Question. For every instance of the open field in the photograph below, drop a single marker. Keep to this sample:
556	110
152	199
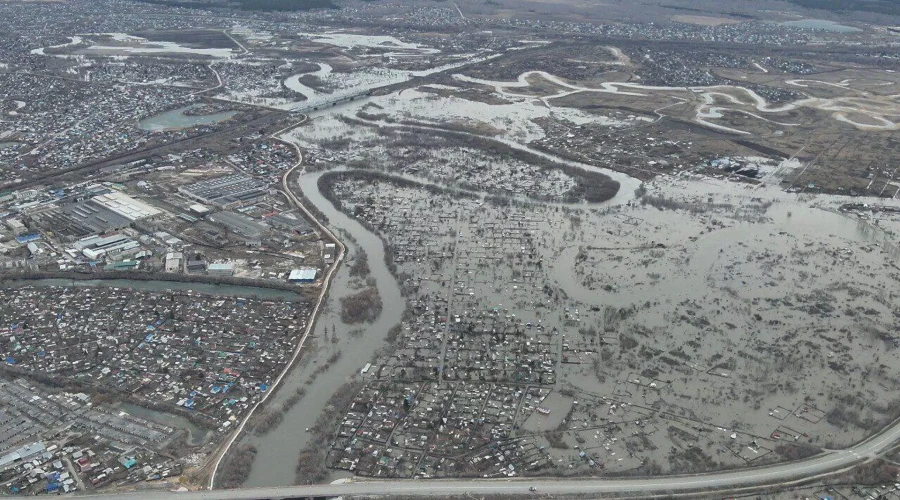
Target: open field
704	20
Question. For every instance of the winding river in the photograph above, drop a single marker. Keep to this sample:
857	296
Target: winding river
279	449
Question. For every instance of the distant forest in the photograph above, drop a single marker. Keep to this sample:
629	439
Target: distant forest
263	5
890	7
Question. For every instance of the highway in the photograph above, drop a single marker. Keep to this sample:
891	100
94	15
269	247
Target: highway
818	465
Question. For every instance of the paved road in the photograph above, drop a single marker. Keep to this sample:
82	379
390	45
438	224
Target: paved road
325	233
807	468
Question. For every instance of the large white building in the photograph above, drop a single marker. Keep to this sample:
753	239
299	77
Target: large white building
173	262
125	205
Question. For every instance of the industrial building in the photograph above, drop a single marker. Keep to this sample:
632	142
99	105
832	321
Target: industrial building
223	269
289	222
226	192
16	226
173	262
248	229
106	212
95	247
125	265
196	266
84	218
23	454
126	206
33	249
303	275
199	209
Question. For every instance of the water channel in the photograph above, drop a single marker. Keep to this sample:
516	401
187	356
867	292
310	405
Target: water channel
197	435
293	82
176	119
279	449
820	24
162	286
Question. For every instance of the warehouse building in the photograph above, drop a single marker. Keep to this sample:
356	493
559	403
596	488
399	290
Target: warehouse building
289	222
303	275
106	212
249	230
173	262
95	247
125	205
84	218
226	192
224	269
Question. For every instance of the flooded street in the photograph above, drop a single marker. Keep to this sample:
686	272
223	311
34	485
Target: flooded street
279	449
670	277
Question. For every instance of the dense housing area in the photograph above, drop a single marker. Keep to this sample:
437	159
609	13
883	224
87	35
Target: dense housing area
265	243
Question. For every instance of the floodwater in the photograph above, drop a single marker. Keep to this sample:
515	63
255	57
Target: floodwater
357	83
820	24
353	40
707	109
74	40
627	183
293	82
789	217
197	436
160	286
141	45
276	461
176	119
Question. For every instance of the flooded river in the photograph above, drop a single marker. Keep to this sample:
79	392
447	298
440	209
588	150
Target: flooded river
293	82
787	220
177	119
276	460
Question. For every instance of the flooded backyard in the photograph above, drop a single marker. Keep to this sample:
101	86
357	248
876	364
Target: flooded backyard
670	294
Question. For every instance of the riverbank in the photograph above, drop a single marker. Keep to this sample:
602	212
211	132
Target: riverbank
279	449
216	462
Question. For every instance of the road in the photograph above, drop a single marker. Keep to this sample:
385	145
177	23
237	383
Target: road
217	459
812	467
128	156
